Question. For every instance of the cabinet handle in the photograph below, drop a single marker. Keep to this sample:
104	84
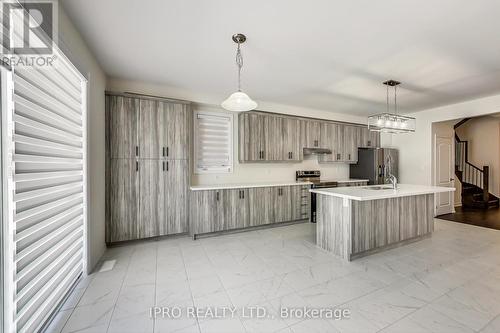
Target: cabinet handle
167	165
136	166
163	152
163	165
369	143
217	196
349	157
136	150
239	194
243	194
167	151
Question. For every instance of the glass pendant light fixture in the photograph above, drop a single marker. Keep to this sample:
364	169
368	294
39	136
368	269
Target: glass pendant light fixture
391	122
239	101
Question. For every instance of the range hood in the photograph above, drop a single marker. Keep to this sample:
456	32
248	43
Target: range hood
317	151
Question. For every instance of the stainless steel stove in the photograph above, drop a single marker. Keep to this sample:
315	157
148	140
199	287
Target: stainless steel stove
313	176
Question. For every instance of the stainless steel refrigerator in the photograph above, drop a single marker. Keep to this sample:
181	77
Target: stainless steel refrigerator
372	165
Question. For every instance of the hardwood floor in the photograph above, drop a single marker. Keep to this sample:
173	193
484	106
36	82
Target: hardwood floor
484	218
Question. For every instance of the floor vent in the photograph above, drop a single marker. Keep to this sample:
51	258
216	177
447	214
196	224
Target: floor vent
108	265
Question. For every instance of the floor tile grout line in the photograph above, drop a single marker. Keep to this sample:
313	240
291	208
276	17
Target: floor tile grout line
120	290
189	285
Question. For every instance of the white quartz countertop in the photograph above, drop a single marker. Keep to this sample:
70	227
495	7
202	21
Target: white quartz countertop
245	185
363	193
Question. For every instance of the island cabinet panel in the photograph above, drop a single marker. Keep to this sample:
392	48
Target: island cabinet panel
123	197
418	212
123	117
235	205
333	229
260	206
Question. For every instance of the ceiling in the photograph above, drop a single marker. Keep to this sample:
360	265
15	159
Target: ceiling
324	54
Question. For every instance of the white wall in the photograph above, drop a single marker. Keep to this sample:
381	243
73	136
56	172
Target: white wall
483	135
247	172
73	45
415	153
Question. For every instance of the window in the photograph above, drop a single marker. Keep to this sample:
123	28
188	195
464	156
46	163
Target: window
213	142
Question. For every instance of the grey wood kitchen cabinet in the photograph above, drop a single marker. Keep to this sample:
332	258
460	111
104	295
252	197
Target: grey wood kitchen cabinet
176	183
122	124
151	197
350	154
230	209
124	199
236	214
148	145
313	134
207	213
273	139
178	120
283	206
150	129
251	137
260	206
291	140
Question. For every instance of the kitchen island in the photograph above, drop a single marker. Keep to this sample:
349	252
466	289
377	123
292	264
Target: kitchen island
353	222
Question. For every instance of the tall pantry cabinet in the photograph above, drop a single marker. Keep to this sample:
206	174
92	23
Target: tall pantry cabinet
147	167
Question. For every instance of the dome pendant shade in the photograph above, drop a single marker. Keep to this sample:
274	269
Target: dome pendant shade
238	102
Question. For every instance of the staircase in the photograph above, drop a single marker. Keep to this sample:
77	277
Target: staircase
475	191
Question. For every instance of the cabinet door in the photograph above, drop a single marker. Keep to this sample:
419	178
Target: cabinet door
328	139
260	206
151	199
273	138
123	117
177	130
151	128
123	200
374	139
282	204
350	144
251	137
339	148
206	212
291	139
176	180
235	209
313	134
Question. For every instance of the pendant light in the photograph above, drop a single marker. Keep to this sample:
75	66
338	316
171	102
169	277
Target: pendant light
391	122
239	101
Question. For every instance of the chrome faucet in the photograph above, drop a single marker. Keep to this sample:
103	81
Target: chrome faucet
388	174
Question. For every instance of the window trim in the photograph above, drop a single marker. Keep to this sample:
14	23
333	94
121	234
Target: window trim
230	169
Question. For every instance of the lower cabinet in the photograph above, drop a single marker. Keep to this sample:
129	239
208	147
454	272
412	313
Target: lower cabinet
219	210
147	198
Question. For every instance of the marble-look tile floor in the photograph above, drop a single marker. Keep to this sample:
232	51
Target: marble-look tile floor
447	283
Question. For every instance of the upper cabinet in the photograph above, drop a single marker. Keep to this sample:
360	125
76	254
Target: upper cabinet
123	115
147	128
279	138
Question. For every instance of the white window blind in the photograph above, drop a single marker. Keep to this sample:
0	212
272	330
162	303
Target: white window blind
213	142
45	166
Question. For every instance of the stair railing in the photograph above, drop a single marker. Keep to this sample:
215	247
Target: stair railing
471	174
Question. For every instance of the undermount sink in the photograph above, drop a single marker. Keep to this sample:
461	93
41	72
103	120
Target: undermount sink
378	188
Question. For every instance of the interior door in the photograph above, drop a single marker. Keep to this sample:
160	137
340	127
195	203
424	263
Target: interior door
444	174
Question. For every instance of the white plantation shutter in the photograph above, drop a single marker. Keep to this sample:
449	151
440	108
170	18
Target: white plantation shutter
45	160
213	142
